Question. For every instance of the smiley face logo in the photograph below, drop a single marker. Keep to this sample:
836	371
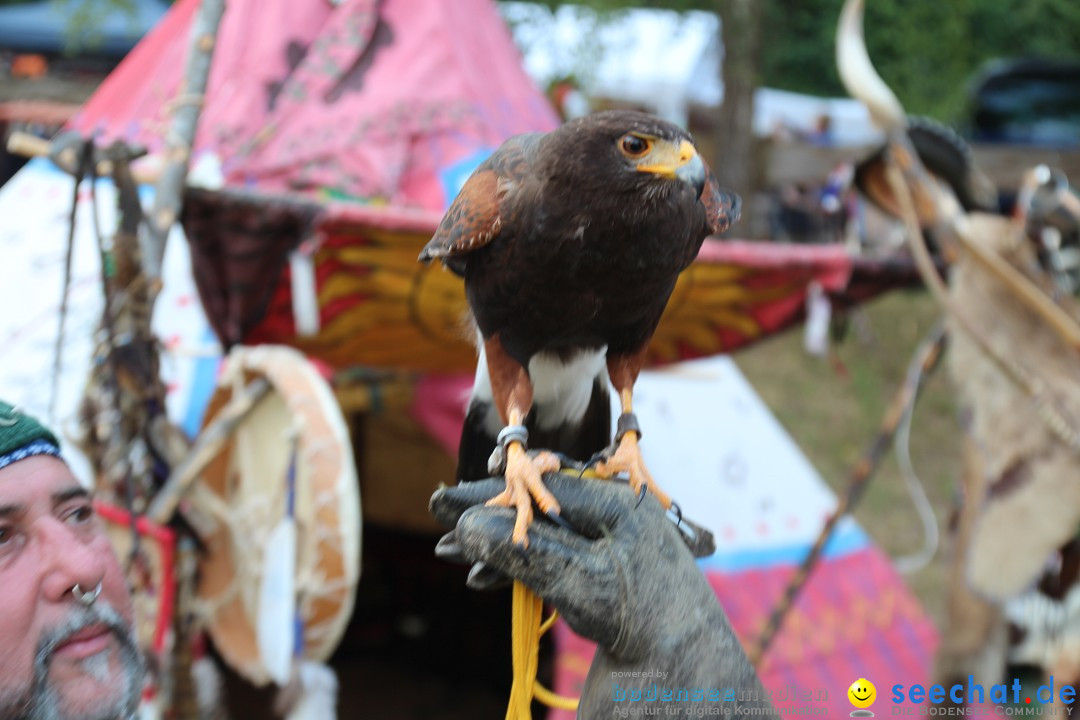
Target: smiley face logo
862	693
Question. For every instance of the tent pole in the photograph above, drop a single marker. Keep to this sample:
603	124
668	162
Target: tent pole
180	138
154	231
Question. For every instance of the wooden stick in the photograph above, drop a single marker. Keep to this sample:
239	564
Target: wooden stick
210	442
27	145
1028	293
181	137
31	146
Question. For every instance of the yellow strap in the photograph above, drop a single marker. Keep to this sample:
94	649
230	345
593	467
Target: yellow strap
552	700
527	615
546	625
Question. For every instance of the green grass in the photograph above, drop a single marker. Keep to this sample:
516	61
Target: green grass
834	415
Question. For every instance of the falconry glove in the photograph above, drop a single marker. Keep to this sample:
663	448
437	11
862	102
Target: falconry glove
623	576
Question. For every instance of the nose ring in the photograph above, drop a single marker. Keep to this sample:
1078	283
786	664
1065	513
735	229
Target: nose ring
86	598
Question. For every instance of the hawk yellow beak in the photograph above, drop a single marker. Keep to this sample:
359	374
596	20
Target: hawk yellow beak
666	158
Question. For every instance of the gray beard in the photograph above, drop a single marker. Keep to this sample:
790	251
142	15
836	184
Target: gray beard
42	701
97	666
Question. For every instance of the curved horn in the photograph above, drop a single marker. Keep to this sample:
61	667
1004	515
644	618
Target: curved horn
858	74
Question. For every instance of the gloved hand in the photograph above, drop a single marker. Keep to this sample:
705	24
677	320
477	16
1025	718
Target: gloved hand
624	576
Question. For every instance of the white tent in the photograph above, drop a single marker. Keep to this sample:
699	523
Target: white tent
661	59
35	205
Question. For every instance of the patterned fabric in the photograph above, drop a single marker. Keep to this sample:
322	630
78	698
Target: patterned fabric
37	447
855	619
22	436
365	101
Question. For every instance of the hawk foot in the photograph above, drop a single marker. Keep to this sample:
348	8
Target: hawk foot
627	458
524	484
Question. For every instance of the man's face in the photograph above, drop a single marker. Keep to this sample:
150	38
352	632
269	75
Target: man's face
59	658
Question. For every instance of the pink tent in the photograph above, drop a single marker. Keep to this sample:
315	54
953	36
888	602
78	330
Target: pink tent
391	103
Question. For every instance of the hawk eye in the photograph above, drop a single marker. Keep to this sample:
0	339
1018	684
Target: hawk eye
634	146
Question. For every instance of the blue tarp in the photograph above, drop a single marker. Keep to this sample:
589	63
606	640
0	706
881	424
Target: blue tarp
42	26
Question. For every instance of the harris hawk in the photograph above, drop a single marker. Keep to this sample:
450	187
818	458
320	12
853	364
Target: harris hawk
570	243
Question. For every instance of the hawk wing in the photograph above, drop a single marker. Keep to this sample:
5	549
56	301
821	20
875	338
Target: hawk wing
475	218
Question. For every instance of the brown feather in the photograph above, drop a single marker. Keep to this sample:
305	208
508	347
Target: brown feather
475	218
472	220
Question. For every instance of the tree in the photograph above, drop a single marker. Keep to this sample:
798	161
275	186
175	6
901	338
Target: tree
741	32
926	51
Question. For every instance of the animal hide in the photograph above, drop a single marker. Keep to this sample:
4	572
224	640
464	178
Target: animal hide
1031	478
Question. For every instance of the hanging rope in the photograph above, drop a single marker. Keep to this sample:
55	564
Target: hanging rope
85	161
902	447
527	627
113	300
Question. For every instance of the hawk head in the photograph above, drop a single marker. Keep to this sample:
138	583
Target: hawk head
622	151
